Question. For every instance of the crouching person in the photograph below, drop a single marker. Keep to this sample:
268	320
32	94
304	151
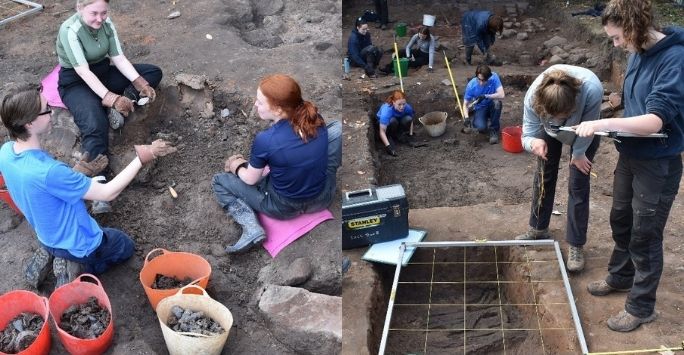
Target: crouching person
395	118
51	194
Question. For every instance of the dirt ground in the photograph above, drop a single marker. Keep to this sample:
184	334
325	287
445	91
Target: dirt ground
231	44
460	187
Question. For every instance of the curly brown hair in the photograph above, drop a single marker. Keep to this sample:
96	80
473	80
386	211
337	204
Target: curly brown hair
635	17
556	94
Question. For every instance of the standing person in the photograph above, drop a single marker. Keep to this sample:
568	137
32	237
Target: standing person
360	49
97	93
50	194
482	99
648	170
395	118
301	152
480	28
424	44
383	13
563	95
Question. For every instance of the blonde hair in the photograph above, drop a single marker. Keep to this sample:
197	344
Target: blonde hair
556	94
81	3
635	17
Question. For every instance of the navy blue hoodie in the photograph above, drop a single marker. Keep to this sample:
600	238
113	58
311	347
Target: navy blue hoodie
474	28
654	83
356	43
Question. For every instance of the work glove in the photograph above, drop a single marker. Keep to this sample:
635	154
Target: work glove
480	98
233	162
148	152
390	150
118	102
144	88
93	167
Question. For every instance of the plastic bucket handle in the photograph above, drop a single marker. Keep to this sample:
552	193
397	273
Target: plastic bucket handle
147	258
181	291
93	277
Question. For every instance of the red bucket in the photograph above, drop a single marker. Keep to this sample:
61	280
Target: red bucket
5	196
78	292
511	139
14	303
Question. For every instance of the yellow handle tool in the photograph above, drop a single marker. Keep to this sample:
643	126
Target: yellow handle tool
453	84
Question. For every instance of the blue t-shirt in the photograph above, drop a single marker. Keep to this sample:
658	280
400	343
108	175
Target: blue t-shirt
387	112
50	195
474	89
298	169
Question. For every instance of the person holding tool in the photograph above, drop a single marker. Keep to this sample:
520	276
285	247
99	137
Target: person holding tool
480	28
424	44
649	170
51	194
97	93
482	99
292	166
563	95
395	118
360	49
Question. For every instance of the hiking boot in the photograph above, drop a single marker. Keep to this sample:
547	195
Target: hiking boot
493	137
116	119
575	259
602	288
65	271
100	207
37	267
533	234
625	322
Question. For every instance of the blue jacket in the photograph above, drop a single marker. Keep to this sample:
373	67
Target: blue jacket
474	28
654	83
356	43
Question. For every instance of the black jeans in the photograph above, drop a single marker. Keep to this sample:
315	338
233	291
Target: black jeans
643	193
578	193
382	11
371	54
86	107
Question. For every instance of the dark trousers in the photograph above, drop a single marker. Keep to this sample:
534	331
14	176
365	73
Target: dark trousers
371	54
421	58
86	107
115	248
578	192
643	193
382	11
488	118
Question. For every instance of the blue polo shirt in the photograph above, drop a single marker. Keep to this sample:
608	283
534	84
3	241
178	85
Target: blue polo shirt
474	89
387	112
298	168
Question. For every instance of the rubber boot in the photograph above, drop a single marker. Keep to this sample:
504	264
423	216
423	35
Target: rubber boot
252	232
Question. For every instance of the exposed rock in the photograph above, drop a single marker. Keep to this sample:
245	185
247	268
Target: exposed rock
555	60
8	218
268	8
522	36
557	51
526	60
298	272
309	323
555	41
196	82
508	33
576	58
508	24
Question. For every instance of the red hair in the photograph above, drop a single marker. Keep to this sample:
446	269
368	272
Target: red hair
396	95
283	92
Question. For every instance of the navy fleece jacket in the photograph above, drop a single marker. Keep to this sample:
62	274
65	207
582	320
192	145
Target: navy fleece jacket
474	29
356	43
654	83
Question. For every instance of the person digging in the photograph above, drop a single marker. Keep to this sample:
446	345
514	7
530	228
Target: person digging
51	195
395	118
482	101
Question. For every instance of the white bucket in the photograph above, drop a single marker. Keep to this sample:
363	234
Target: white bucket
182	344
434	123
428	20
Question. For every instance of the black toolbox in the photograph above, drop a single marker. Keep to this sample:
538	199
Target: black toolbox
374	215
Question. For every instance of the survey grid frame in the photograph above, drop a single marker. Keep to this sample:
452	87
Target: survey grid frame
12	7
502	243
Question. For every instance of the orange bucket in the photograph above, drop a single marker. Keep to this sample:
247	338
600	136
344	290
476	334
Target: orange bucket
511	139
172	264
78	292
5	196
14	303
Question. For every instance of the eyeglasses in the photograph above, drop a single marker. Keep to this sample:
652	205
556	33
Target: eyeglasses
48	111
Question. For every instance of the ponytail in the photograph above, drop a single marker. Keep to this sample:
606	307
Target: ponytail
305	120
